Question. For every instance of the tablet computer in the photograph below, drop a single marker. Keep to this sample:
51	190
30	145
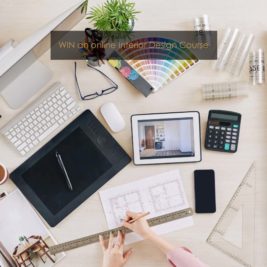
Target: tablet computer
166	137
91	157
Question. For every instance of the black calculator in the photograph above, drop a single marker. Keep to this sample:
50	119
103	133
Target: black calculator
223	129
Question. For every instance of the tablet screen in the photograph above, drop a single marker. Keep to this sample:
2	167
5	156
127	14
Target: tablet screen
166	138
81	159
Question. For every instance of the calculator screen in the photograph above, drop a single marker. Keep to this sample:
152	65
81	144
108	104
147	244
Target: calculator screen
220	116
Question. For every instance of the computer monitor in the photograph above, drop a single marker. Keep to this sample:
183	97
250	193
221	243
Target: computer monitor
21	73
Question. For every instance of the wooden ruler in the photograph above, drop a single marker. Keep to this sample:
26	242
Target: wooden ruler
95	237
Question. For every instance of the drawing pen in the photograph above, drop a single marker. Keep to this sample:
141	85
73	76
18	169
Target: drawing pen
139	217
62	166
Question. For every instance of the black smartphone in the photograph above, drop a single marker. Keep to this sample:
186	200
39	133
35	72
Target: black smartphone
205	199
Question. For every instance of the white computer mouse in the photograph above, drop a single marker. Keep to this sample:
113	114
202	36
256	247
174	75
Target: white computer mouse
113	117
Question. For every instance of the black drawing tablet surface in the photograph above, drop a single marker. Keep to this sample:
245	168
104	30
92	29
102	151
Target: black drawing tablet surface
91	157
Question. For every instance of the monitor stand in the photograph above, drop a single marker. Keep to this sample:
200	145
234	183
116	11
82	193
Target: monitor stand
23	81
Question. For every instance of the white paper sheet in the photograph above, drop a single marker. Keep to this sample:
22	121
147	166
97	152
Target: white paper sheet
18	218
160	194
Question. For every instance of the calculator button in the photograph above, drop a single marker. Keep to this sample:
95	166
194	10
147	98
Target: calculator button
234	137
228	132
211	127
233	147
233	142
235	130
217	127
221	143
235	126
229	129
235	134
228	136
215	146
226	146
220	147
216	137
222	137
216	132
223	128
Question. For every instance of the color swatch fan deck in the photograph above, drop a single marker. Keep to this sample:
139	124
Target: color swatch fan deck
158	65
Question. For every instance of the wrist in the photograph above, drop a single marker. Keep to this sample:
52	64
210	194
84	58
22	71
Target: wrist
149	235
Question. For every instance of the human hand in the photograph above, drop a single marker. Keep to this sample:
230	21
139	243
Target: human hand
113	254
140	226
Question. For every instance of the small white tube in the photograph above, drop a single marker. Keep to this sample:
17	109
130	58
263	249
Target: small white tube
226	48
257	67
242	55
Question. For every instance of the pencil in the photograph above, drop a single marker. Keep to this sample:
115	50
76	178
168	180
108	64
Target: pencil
139	217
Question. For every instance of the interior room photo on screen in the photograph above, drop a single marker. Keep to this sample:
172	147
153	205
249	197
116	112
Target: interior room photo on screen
166	138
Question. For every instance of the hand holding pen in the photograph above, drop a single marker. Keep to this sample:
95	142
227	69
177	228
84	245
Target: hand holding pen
137	223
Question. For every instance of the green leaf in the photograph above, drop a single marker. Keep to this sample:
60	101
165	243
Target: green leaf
113	15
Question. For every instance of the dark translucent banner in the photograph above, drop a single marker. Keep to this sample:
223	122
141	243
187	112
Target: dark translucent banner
137	45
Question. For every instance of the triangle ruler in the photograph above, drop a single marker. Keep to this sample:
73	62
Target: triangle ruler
234	232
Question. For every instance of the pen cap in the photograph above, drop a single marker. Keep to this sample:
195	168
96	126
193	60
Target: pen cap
201	23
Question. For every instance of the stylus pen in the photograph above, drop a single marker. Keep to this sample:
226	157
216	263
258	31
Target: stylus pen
62	166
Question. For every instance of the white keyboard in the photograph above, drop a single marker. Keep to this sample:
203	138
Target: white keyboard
39	121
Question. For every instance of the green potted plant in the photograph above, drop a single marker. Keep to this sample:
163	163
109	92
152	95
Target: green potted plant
113	15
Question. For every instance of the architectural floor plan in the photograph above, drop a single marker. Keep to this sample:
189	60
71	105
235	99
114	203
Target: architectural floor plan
160	194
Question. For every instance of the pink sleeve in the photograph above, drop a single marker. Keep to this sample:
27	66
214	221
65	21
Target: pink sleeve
182	257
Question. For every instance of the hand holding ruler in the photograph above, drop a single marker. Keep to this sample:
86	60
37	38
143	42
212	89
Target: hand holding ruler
95	237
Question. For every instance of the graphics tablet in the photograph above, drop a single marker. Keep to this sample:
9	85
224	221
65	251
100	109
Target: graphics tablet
166	137
91	157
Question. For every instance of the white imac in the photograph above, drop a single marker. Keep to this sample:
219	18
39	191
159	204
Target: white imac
21	73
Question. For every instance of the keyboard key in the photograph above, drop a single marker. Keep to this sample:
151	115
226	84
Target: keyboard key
233	147
48	132
14	139
22	146
226	147
18	143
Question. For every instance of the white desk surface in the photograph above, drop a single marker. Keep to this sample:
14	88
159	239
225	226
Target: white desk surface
19	19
